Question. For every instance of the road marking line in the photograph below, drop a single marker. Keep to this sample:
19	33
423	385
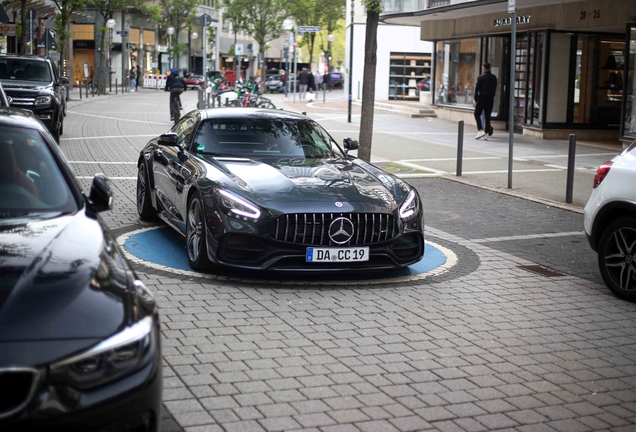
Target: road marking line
565	155
506	171
108	136
121	119
112	178
528	237
105	163
449	159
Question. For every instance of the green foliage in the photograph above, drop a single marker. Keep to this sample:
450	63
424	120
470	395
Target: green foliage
62	20
260	19
179	14
372	5
325	13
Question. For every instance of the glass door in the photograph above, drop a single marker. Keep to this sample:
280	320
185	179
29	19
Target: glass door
521	81
629	119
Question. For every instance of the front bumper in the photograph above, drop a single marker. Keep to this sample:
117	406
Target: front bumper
131	403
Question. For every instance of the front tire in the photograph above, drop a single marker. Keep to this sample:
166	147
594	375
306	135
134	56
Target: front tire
617	257
196	243
144	202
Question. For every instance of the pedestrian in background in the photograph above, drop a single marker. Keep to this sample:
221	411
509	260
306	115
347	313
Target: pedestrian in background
484	99
326	80
138	77
132	75
311	86
303	82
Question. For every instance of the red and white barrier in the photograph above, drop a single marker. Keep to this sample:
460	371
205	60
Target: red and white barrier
154	81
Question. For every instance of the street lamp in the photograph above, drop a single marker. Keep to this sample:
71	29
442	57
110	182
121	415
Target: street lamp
170	32
111	23
194	36
287	26
330	38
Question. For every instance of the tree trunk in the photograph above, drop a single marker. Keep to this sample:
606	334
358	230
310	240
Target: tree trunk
368	85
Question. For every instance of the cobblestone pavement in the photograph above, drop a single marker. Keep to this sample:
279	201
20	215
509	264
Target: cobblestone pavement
487	346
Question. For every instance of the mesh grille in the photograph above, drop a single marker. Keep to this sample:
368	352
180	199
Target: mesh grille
313	228
16	388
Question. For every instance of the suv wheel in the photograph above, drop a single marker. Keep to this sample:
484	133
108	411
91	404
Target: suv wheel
617	257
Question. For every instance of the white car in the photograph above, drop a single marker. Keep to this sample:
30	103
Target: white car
610	222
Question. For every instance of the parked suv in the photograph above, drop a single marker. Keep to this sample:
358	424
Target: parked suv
33	83
610	222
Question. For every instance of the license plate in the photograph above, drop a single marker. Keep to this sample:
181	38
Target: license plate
337	254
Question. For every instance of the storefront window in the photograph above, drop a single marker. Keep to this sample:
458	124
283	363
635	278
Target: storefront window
456	71
629	125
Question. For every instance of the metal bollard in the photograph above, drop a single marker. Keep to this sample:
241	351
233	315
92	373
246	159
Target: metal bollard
80	89
116	84
570	179
324	93
460	147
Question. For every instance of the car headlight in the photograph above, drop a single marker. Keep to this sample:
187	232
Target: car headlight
238	207
112	358
43	100
409	207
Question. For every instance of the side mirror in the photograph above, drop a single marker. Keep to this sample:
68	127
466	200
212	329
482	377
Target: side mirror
351	144
101	196
168	139
63	81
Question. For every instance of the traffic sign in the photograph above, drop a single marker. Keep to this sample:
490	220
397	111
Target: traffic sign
238	49
512	5
123	33
308	29
206	20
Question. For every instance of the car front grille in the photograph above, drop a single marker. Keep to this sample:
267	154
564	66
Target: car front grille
313	228
17	386
23	101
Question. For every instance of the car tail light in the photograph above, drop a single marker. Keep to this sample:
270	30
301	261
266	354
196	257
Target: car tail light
601	173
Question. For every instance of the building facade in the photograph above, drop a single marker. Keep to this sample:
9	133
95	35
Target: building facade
574	62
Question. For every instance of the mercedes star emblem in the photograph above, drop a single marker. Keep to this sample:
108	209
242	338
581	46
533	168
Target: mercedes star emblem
341	230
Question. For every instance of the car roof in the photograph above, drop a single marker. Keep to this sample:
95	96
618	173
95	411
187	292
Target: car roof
25	56
19	118
213	113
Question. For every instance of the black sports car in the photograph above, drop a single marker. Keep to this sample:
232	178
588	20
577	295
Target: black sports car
265	189
79	333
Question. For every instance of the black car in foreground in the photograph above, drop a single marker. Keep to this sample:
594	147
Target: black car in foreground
264	189
33	84
79	333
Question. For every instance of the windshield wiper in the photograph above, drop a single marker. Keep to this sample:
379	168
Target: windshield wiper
217	154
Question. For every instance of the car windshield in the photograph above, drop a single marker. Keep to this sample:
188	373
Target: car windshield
30	180
24	69
262	137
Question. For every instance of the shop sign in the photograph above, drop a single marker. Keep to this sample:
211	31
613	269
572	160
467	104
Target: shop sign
501	22
7	29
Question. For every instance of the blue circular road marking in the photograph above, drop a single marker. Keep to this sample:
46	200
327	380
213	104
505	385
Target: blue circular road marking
164	247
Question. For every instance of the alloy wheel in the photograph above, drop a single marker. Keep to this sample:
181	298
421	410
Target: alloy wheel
195	229
141	188
620	258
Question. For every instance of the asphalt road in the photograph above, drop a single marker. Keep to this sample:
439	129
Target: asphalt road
487	345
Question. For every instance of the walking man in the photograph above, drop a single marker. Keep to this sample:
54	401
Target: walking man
303	82
484	99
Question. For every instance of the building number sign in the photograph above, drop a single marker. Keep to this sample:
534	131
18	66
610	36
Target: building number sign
596	13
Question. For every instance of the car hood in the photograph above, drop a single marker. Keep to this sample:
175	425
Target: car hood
25	85
316	181
61	280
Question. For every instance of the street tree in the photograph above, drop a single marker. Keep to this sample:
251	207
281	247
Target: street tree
23	20
324	13
62	20
263	19
107	9
233	15
180	14
373	7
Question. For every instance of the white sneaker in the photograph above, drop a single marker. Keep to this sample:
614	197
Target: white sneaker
480	135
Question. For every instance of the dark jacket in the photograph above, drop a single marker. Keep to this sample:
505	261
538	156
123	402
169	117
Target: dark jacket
486	86
174	81
303	77
311	85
